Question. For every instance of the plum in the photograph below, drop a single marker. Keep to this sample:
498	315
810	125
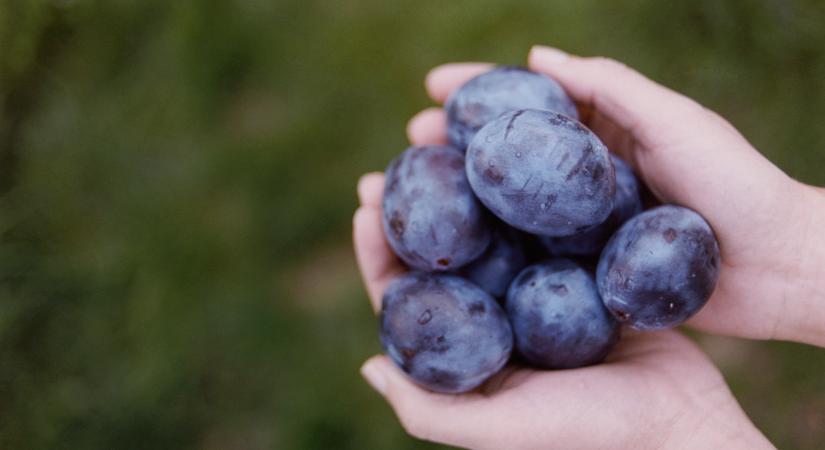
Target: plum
626	203
444	332
495	269
500	90
659	269
558	318
542	172
431	218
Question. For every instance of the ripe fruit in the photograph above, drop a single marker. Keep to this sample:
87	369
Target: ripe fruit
522	157
431	218
542	172
444	332
495	269
659	269
500	90
558	319
626	204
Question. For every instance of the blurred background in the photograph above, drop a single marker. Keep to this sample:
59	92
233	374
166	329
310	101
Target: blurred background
177	180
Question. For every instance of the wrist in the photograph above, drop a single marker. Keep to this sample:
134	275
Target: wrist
740	435
802	318
718	423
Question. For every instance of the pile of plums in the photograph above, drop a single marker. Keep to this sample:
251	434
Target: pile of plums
526	232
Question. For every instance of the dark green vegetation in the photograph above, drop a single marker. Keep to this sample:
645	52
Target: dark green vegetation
178	179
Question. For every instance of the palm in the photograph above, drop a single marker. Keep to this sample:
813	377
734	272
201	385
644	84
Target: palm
649	378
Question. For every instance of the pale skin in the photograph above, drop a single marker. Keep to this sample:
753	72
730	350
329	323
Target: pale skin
656	390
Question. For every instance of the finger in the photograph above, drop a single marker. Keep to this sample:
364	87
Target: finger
370	189
503	416
458	420
377	263
444	79
625	96
428	127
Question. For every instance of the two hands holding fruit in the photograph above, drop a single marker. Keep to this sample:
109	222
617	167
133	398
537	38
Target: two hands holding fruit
655	388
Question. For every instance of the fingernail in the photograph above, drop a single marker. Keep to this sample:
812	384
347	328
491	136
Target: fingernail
548	54
374	377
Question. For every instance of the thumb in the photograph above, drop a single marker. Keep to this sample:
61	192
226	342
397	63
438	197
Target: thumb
684	152
626	97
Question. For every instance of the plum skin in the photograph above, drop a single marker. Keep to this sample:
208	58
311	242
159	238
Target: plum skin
500	263
626	203
444	332
503	89
542	172
659	269
558	318
431	218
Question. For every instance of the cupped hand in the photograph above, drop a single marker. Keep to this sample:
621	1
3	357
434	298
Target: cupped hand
770	227
656	390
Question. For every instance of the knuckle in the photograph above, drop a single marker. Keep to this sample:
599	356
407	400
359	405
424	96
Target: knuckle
716	116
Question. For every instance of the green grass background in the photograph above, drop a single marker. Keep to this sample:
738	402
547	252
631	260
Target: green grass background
177	180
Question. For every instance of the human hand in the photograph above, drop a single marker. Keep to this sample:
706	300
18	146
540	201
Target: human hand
772	281
770	285
656	390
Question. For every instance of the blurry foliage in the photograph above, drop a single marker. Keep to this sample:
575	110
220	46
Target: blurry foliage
177	181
